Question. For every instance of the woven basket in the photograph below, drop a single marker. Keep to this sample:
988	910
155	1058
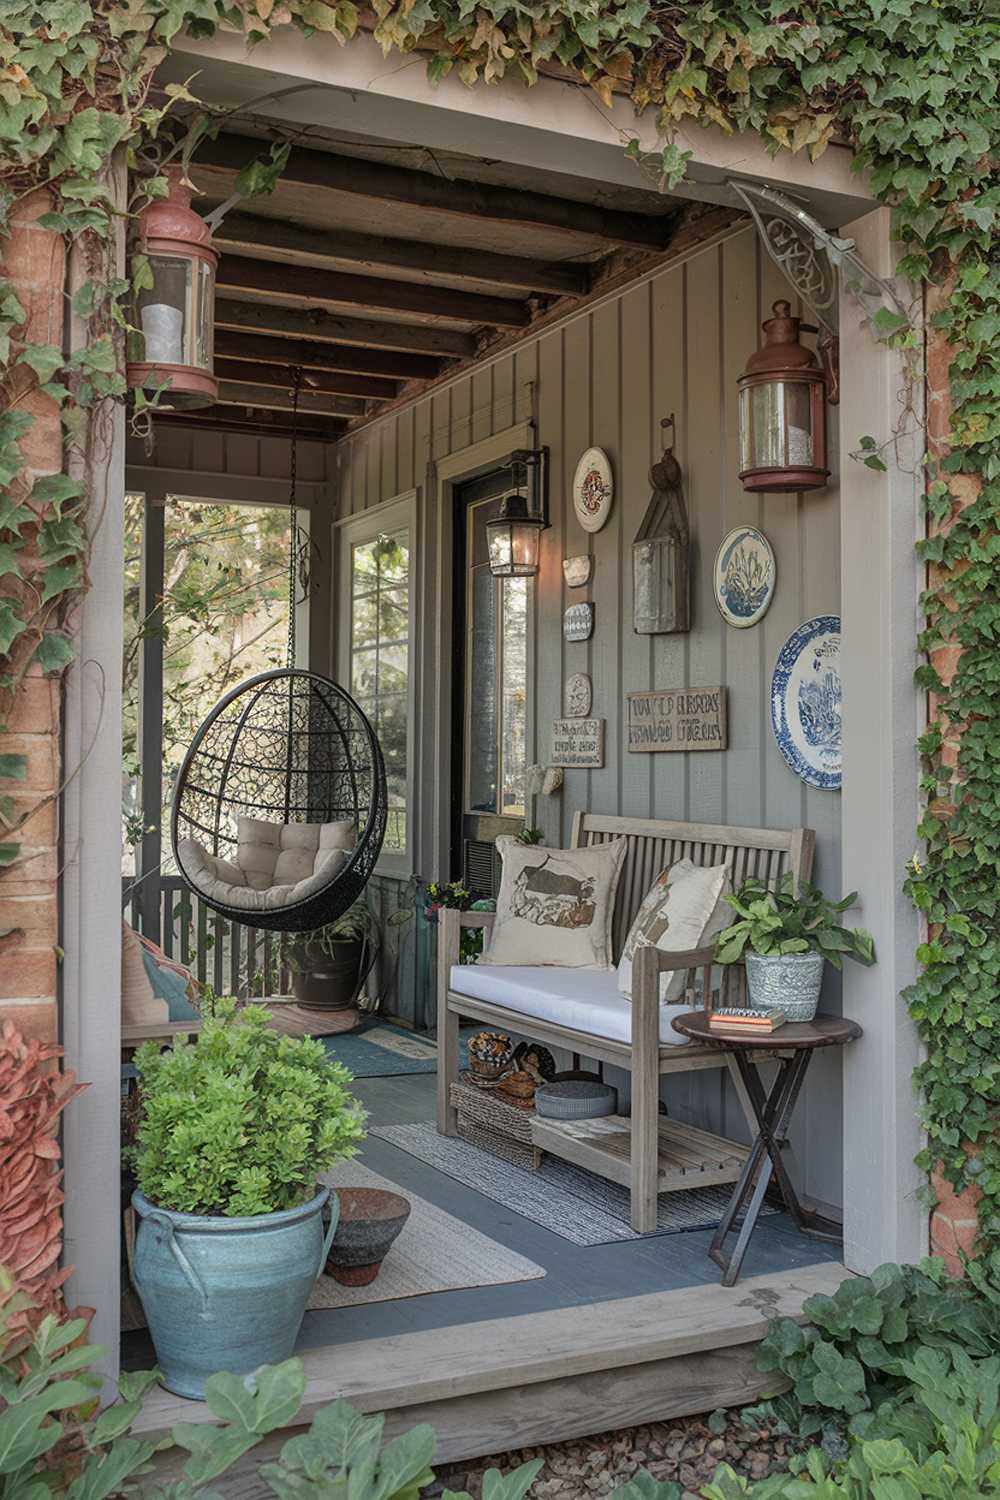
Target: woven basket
488	1120
498	1144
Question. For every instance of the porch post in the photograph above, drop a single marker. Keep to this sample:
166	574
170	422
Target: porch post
881	520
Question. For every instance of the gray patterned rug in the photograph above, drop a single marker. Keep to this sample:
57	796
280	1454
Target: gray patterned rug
574	1203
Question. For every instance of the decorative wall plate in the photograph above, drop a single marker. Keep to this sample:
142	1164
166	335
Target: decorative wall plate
577	696
577	570
578	622
805	702
593	489
745	575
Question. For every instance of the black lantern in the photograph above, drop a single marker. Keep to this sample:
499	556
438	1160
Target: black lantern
512	537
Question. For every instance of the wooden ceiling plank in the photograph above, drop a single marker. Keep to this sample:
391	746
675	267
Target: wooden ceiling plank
325	382
223	418
232	393
243	274
395	185
397	364
367	333
375	252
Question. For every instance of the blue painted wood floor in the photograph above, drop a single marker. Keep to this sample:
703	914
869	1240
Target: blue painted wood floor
575	1274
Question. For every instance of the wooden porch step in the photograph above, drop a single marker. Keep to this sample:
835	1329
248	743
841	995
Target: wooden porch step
541	1377
688	1157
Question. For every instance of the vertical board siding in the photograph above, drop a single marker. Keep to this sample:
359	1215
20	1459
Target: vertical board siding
674	344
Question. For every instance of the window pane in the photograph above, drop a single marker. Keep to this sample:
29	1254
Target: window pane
380	659
514	691
483	694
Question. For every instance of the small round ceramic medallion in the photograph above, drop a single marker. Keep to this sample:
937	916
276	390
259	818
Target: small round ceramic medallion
745	576
593	489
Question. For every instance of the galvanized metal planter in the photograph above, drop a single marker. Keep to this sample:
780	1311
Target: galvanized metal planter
789	982
226	1294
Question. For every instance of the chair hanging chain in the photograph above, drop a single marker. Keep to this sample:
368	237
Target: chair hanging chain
293	527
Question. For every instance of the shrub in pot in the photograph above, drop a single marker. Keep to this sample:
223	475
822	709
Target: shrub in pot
331	963
785	935
236	1127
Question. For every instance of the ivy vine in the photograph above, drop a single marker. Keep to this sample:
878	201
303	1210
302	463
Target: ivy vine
910	85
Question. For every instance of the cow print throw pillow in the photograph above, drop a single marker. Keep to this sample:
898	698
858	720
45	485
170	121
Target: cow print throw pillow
555	905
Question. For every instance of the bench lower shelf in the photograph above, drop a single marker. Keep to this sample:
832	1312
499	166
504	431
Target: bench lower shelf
688	1157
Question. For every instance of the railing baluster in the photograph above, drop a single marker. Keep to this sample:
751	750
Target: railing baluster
202	943
236	931
219	954
166	917
186	927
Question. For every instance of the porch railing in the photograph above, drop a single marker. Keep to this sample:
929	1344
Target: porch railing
234	959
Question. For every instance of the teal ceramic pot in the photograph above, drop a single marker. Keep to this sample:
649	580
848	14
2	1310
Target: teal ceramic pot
227	1294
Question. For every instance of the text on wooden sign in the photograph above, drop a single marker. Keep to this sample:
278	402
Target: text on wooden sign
578	742
677	719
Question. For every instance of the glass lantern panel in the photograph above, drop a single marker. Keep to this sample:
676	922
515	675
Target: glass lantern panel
203	321
776	425
163	309
798	417
500	544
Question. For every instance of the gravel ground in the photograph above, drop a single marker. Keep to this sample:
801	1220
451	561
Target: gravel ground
688	1450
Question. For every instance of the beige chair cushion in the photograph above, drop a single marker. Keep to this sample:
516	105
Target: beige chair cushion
277	864
141	1006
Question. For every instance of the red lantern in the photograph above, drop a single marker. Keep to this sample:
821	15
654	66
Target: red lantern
175	317
783	398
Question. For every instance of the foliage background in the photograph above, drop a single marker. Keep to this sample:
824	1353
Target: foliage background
911	85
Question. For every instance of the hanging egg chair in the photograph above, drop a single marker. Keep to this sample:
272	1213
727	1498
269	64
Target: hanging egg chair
280	805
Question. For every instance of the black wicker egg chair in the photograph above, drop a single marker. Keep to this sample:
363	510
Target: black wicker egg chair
287	747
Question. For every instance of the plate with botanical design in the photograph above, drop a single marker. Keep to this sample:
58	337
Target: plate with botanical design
593	489
806	702
745	575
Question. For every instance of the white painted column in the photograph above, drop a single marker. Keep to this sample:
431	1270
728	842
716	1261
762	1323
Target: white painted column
881	520
90	897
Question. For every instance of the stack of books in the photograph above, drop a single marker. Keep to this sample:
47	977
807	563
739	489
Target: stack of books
736	1019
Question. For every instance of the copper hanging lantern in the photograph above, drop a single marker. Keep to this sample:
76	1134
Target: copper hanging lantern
783	396
175	317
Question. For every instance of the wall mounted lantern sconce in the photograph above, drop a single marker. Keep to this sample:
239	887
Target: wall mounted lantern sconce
175	317
513	536
783	396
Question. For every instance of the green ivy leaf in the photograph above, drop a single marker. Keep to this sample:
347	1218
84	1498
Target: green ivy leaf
11	626
44	359
53	652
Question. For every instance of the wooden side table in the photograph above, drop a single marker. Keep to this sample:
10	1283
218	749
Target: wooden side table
792	1046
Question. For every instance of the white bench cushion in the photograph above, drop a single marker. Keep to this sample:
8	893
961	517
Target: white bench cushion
583	999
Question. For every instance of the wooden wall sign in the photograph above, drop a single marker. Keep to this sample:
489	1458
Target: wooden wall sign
578	743
677	719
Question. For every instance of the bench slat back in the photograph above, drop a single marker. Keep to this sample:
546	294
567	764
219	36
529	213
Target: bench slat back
766	853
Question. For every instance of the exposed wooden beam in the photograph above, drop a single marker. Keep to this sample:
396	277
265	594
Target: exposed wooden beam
368	333
242	274
257	423
328	382
374	252
397	364
270	397
395	185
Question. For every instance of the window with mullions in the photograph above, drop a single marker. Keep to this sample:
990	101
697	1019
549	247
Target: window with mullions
380	660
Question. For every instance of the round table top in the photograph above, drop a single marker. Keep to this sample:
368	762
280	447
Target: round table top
821	1031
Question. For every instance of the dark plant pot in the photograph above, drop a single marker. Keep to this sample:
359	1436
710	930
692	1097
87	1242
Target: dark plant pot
326	980
370	1220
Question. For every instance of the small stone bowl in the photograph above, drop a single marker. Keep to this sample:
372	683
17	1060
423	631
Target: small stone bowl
370	1220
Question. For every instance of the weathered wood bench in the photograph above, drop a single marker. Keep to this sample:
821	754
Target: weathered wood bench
646	1154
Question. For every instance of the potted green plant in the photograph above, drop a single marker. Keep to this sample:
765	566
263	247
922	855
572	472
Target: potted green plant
330	964
237	1125
785	936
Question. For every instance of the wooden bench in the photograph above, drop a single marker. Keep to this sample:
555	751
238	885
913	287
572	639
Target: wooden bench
642	1155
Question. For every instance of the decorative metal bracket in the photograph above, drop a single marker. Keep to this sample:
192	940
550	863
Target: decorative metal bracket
812	258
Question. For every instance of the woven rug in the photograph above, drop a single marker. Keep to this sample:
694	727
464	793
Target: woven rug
572	1202
434	1253
383	1051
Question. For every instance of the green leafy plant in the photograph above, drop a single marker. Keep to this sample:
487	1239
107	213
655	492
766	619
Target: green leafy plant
942	1443
780	919
358	924
240	1120
529	835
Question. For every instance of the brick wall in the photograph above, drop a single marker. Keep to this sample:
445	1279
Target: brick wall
954	1225
34	259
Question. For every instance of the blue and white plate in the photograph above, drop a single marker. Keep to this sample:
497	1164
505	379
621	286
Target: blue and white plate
805	702
745	575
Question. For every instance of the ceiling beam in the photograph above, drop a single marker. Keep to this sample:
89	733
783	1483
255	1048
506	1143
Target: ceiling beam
255	424
326	382
271	398
367	333
397	364
374	252
241	273
393	185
